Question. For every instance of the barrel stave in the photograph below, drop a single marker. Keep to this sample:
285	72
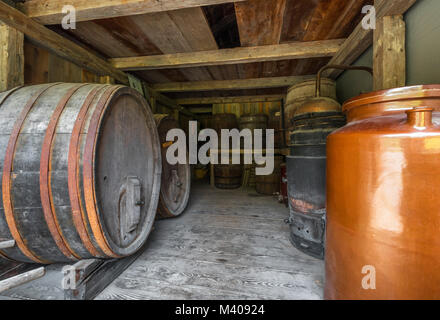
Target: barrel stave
41	179
176	179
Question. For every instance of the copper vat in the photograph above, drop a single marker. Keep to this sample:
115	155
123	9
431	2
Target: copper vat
383	184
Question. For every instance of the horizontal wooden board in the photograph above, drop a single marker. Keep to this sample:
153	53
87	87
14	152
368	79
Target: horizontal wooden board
297	50
231	84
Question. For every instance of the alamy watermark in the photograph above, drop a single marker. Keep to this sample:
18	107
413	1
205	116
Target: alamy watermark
369	21
369	280
227	150
69	20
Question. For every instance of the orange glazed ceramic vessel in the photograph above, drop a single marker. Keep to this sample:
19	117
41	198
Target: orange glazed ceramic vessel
383	197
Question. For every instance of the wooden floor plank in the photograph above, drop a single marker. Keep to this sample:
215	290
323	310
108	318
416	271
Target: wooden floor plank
213	276
227	245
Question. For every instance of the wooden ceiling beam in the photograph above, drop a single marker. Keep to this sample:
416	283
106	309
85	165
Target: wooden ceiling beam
57	44
237	99
361	39
239	84
287	51
50	11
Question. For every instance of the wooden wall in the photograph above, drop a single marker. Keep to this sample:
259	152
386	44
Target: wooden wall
249	108
41	66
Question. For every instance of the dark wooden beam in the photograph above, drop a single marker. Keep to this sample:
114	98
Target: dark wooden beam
238	99
257	83
50	11
57	44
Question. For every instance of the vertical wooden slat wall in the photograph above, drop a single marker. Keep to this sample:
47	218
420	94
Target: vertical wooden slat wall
41	66
248	108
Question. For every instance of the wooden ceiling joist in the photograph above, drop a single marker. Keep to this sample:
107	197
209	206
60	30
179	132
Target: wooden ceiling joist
58	44
238	99
287	51
257	83
361	39
50	11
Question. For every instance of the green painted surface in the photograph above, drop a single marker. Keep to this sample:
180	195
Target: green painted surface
422	47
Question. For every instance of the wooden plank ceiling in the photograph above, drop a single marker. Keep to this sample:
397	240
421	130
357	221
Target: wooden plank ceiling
229	25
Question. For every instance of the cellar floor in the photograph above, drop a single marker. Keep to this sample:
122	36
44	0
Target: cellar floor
227	245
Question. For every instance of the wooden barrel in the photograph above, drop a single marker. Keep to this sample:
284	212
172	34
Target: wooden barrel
224	121
80	172
176	179
270	184
257	121
228	176
252	122
205	121
298	94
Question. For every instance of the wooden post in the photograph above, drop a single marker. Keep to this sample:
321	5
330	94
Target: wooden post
389	53
11	58
107	80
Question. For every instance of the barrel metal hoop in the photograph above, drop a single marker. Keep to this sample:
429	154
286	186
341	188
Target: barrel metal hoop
8	94
7	172
78	212
88	171
45	179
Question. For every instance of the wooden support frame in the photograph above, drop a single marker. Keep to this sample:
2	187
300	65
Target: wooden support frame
11	57
58	44
257	83
93	276
361	39
50	11
154	96
286	51
389	57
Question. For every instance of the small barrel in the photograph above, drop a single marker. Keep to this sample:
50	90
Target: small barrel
176	179
228	176
80	172
270	184
252	122
205	121
257	121
224	121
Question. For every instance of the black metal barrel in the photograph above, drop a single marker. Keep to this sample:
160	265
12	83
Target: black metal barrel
306	175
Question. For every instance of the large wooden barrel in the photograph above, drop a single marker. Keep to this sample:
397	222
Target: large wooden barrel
176	179
270	184
298	94
80	168
228	176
